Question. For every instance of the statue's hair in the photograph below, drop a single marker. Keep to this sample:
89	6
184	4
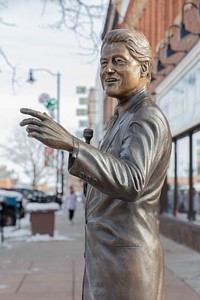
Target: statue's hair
136	43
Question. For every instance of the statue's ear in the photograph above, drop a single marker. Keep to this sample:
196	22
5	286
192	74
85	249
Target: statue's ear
144	68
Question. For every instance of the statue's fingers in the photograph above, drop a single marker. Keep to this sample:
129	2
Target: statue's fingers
30	121
36	135
34	113
42	131
33	128
43	138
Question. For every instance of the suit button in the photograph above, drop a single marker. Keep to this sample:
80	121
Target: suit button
81	174
87	178
94	181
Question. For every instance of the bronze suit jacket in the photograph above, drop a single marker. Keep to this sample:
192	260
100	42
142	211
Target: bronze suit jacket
123	254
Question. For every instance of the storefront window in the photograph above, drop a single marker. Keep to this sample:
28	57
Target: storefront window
196	176
183	177
170	183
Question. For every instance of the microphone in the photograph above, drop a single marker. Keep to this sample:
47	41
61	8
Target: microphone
88	135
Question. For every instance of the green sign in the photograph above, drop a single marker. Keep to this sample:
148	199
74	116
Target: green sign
81	112
83	101
80	89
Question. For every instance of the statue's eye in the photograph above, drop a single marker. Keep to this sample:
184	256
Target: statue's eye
119	61
103	63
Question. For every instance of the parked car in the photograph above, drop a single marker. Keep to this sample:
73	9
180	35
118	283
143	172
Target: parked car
27	193
56	198
2	210
37	195
31	195
13	207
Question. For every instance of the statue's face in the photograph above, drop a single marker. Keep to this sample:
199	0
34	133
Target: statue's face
120	72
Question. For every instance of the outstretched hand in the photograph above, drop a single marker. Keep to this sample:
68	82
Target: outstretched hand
43	128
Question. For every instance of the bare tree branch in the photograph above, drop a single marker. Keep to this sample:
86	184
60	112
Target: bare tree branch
11	66
75	15
28	154
2	22
80	17
3	4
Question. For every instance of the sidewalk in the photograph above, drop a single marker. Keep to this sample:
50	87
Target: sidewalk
53	269
182	271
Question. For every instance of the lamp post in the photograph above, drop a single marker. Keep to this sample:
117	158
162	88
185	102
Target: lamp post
31	79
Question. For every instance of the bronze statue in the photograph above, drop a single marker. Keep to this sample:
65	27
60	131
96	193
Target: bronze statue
123	253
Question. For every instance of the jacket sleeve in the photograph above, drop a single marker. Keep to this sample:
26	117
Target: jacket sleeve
123	177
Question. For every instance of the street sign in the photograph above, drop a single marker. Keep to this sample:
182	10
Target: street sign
44	97
49	103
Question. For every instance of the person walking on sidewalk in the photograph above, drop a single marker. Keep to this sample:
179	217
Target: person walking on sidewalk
123	252
71	202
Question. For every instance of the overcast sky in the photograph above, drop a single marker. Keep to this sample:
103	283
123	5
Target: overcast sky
30	43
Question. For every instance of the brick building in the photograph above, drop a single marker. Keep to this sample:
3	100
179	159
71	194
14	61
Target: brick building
172	28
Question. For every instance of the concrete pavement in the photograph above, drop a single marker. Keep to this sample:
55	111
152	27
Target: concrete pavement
182	271
53	269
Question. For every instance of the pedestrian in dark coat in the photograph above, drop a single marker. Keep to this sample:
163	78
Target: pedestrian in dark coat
123	253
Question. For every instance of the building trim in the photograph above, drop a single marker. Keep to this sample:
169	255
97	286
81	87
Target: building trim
182	68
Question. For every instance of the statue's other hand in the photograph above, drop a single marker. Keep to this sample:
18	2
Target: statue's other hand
43	128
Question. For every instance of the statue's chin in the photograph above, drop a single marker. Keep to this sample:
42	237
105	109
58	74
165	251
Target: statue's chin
110	92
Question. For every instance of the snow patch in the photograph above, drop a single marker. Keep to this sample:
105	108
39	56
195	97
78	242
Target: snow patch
31	207
46	238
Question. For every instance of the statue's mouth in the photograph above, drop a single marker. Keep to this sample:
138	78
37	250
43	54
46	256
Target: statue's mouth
110	80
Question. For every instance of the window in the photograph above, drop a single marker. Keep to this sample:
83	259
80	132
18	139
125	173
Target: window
83	101
196	160
81	112
196	177
183	177
171	183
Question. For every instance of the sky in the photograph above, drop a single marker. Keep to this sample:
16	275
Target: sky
29	42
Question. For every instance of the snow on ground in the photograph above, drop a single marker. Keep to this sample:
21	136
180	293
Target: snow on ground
42	207
22	232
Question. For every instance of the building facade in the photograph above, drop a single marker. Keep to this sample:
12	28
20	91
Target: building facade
173	30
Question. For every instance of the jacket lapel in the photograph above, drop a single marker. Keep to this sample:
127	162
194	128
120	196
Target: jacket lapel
109	139
134	102
107	142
